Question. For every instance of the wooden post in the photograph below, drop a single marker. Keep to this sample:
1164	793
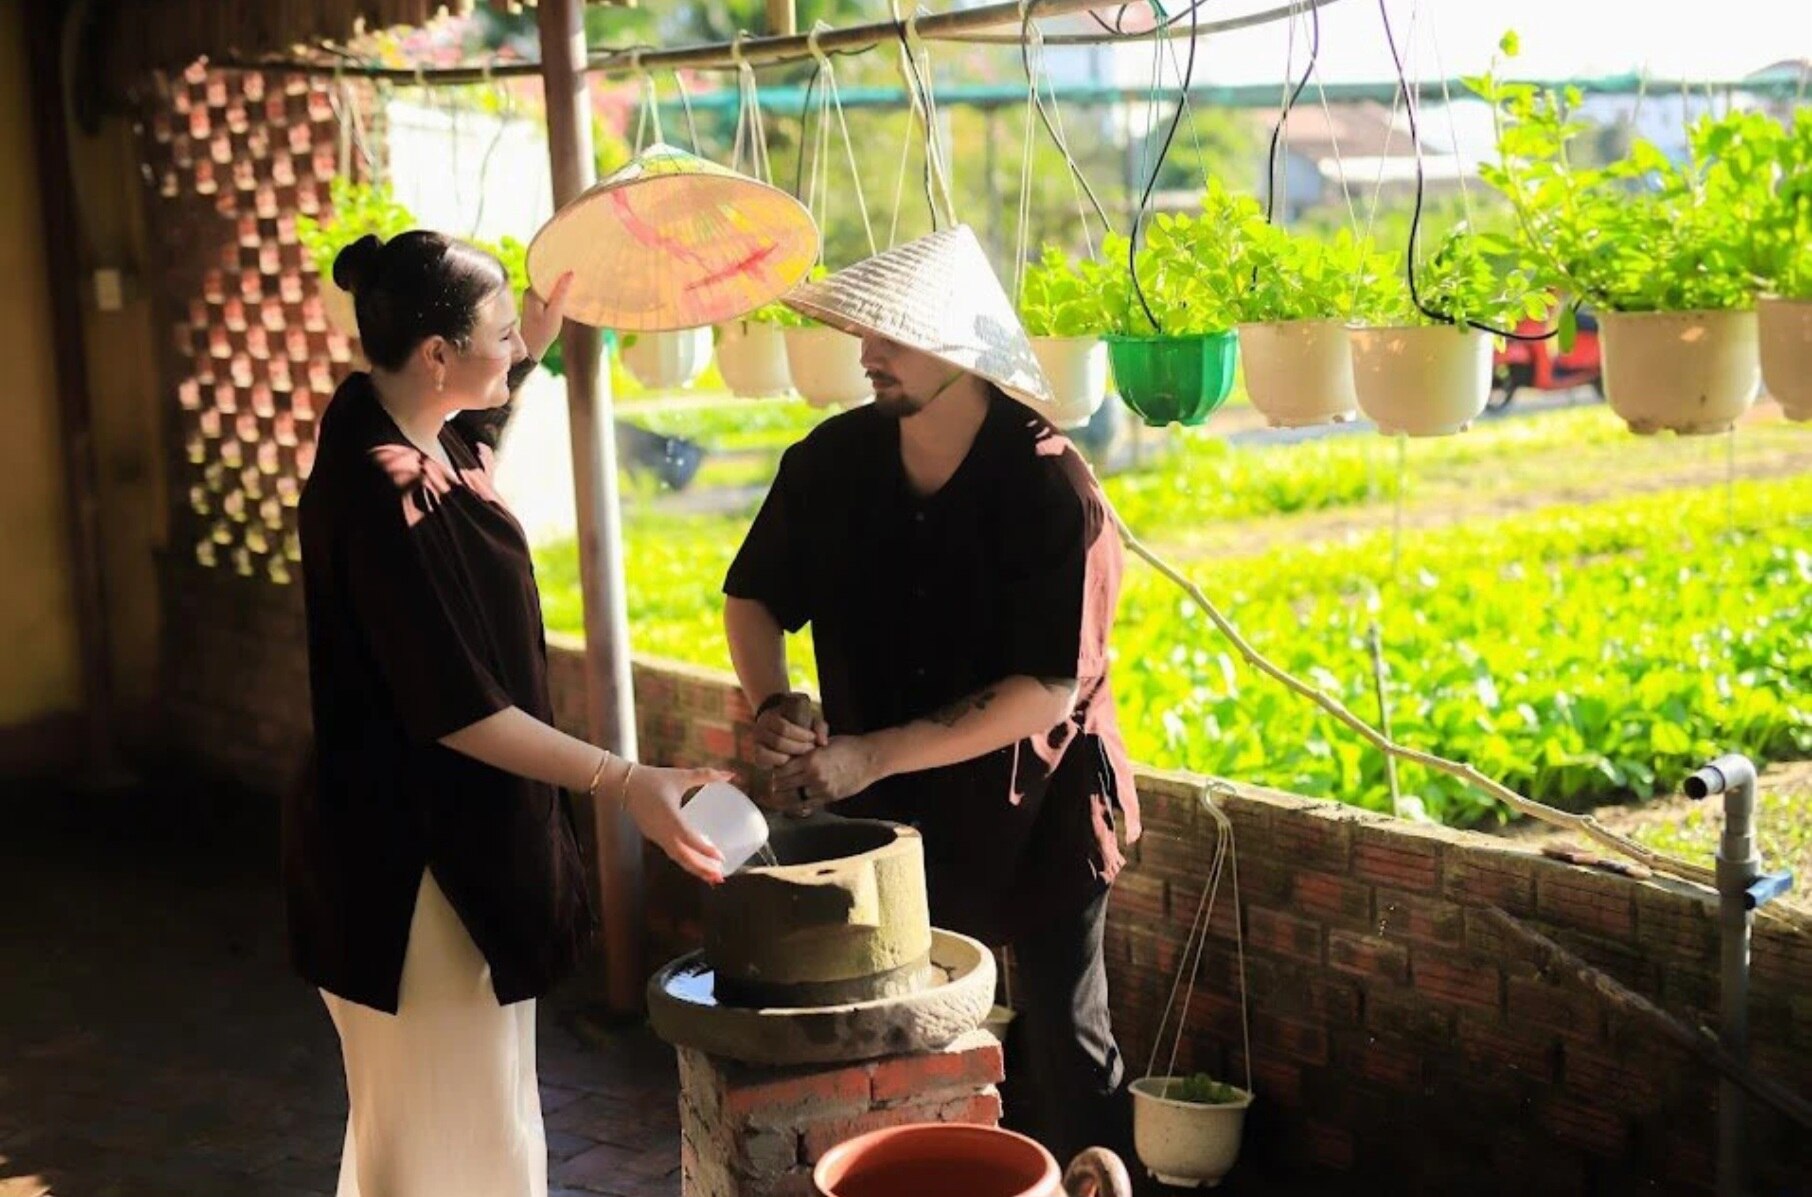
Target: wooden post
783	18
610	698
75	418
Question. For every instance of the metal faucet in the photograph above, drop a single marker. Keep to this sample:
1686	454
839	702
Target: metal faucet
1742	889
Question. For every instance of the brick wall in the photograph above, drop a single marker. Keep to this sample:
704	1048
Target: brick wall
1394	1034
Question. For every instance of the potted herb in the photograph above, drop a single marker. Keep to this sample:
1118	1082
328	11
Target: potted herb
1173	353
1665	252
1417	375
1293	338
1060	303
1187	1129
1784	309
751	353
358	209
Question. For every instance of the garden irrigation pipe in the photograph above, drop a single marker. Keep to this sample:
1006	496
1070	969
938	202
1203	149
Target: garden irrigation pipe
1584	825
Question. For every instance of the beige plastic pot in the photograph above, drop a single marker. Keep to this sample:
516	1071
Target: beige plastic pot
1784	327
1686	372
1076	368
663	360
1299	372
826	366
752	358
1185	1144
1421	380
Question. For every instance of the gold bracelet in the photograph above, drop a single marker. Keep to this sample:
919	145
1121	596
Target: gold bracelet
591	791
623	798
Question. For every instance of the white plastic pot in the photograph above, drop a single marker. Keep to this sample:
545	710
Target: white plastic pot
1185	1144
1299	372
1686	372
663	360
752	358
826	365
1785	330
1076	368
1425	380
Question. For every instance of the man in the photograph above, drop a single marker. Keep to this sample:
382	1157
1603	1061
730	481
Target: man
957	562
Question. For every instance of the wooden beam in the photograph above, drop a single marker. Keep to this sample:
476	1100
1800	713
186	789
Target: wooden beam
783	18
610	698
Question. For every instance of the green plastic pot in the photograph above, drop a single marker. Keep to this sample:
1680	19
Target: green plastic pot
1174	380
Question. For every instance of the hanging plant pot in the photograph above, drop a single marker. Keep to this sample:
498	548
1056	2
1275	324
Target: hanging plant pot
339	309
1174	380
1076	368
1183	1138
663	360
1785	329
1299	372
1421	380
1685	372
826	365
752	358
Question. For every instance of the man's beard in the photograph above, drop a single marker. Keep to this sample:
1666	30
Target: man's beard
898	404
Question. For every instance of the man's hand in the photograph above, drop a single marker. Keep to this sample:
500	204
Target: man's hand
843	768
541	318
788	729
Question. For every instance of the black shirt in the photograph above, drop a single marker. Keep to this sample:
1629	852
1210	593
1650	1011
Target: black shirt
1011	567
423	618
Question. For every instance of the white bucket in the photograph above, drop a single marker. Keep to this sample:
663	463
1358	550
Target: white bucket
663	360
752	358
1076	368
1421	380
1786	337
826	365
1299	372
1688	372
724	815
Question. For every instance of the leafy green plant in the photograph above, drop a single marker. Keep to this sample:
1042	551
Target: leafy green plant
1639	234
1301	276
1471	278
358	209
1061	298
1203	1090
1785	231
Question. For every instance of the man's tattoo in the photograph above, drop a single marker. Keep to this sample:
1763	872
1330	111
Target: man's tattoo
951	713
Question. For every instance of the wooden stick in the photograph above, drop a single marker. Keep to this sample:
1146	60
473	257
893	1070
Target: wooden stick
1556	962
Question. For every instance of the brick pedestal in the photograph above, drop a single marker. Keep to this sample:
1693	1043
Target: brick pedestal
756	1132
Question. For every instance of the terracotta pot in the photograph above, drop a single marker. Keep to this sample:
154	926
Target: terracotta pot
1076	368
1785	329
826	365
939	1159
1299	372
752	358
1421	380
1686	372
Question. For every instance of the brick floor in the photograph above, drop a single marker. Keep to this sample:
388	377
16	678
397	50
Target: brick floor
153	1041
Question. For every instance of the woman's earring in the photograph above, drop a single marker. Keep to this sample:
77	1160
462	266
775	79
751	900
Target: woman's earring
440	381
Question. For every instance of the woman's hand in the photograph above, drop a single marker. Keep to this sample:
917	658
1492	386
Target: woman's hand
652	798
541	317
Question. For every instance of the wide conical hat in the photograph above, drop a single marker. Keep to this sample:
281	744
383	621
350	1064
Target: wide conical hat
937	294
672	241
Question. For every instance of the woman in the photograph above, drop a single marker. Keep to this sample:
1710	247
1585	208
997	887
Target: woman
432	869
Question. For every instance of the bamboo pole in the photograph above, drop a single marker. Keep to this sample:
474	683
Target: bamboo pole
783	18
609	697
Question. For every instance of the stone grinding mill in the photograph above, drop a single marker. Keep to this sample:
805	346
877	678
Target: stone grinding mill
828	958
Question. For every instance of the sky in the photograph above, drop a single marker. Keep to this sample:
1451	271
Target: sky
1671	38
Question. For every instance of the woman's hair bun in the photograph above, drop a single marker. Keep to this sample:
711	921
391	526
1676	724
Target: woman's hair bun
354	265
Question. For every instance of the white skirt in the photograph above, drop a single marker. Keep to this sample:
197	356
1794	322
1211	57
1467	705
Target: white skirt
443	1097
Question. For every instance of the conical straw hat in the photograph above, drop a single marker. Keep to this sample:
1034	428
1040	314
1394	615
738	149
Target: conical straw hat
672	241
937	294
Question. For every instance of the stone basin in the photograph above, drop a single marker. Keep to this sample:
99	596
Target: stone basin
956	997
842	917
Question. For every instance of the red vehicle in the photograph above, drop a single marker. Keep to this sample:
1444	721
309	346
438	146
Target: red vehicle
1542	365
